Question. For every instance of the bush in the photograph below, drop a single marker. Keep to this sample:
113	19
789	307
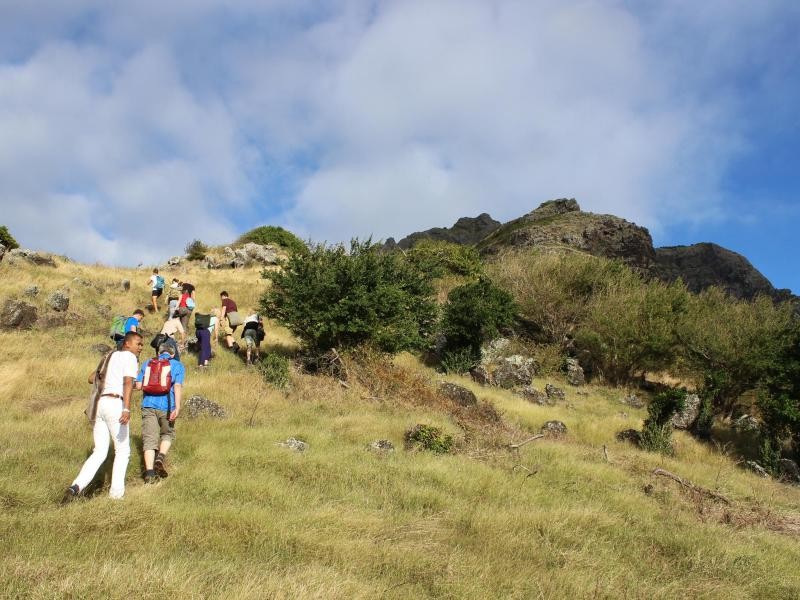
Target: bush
7	239
458	361
196	250
428	437
476	312
440	258
270	234
330	298
657	432
274	368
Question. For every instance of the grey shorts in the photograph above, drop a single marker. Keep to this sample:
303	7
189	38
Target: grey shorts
155	428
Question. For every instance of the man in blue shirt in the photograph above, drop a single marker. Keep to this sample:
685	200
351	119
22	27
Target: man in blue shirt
132	323
158	415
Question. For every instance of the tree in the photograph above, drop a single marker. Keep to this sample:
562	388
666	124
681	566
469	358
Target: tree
6	239
270	234
196	250
332	298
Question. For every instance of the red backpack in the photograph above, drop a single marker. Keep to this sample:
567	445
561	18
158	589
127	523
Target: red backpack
157	377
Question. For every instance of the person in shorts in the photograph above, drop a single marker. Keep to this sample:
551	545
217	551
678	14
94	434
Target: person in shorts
173	297
227	330
156	282
158	416
252	335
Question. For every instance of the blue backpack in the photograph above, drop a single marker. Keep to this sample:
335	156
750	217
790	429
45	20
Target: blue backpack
159	282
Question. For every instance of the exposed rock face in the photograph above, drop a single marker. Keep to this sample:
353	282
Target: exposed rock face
458	394
686	418
575	374
58	301
466	231
17	314
704	265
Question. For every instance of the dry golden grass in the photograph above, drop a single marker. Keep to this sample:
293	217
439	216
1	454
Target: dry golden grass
241	517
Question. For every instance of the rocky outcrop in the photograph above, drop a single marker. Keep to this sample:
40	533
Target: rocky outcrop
686	418
466	230
575	375
458	394
198	406
36	258
2	252
17	314
58	301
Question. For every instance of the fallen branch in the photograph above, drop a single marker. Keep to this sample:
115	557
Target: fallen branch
343	384
529	440
690	486
531	472
605	452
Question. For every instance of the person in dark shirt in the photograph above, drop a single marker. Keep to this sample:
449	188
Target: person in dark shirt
229	320
252	335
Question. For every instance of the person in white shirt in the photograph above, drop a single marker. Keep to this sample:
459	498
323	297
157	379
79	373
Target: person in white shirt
156	283
171	328
113	411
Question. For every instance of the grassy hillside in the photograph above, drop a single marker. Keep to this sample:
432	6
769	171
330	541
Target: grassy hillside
241	517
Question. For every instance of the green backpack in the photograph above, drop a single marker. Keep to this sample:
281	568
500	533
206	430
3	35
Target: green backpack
117	326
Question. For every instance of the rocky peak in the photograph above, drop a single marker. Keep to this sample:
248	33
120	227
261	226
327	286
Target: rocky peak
553	208
466	231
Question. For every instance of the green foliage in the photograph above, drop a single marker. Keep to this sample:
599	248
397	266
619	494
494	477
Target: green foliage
270	234
331	298
440	258
476	312
458	361
428	437
7	239
657	431
769	455
196	250
274	368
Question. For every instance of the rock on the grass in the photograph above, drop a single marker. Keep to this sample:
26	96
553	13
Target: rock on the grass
554	428
686	418
629	435
747	423
58	301
200	405
513	371
17	314
458	394
101	348
531	394
756	468
126	285
789	470
480	374
633	401
381	446
554	393
175	261
36	258
294	444
31	291
575	374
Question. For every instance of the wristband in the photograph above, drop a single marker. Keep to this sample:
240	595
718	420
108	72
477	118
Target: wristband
126	410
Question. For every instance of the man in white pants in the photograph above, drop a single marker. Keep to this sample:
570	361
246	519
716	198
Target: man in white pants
111	419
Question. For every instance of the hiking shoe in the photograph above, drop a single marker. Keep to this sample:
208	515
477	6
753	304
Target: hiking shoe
158	466
70	494
150	477
235	348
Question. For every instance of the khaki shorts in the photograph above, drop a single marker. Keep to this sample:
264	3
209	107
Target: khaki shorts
155	428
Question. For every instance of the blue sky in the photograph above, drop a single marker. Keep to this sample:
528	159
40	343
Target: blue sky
129	130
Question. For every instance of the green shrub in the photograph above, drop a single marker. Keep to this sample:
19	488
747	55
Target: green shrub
458	361
196	250
657	432
476	312
274	368
7	239
270	234
440	258
331	298
428	437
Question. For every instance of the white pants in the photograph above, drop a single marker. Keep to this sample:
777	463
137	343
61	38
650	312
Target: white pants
107	426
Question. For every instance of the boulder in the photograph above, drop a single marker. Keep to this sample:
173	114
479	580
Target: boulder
126	285
31	291
531	394
458	394
554	428
493	349
2	252
295	444
513	371
575	374
381	446
58	301
17	314
789	470
198	406
210	263
251	253
633	401
480	374
629	435
175	261
747	423
686	418
756	468
36	258
554	393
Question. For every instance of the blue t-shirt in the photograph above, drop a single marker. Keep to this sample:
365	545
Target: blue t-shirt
130	323
160	402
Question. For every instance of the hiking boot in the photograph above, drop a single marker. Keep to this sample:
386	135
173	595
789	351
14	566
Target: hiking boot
158	466
150	477
70	494
235	348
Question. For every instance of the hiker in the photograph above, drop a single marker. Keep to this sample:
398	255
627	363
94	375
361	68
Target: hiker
229	321
122	325
173	297
161	380
111	411
186	305
171	327
203	343
156	281
253	334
